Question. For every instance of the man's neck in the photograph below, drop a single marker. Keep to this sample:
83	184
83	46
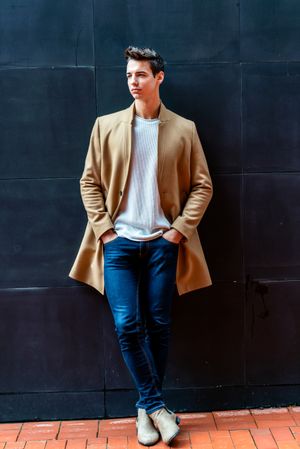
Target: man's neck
147	110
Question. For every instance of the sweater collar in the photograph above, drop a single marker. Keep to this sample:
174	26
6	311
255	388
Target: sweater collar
163	116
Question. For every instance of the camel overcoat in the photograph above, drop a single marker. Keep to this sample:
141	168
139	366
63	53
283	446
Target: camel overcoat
184	186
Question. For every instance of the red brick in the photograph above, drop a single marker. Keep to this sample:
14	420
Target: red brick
15	445
223	444
41	427
81	434
97	443
277	429
273	417
76	444
180	444
9	435
217	435
134	444
197	421
182	440
36	435
288	444
295	412
296	432
35	444
282	434
200	437
78	429
242	439
56	444
234	419
263	439
43	430
202	446
272	424
87	423
221	439
117	427
183	435
46	425
99	440
10	426
117	442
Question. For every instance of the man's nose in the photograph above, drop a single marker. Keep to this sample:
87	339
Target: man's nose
134	81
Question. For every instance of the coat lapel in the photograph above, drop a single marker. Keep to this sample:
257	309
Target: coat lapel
127	120
164	117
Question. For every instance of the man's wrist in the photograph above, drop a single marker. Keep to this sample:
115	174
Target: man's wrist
108	235
173	235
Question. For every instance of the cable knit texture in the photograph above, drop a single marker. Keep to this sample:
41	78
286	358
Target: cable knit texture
141	216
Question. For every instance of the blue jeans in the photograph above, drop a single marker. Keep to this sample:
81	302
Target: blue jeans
139	281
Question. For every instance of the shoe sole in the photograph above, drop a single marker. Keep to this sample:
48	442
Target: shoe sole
148	445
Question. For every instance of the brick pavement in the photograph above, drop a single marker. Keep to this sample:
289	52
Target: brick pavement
272	428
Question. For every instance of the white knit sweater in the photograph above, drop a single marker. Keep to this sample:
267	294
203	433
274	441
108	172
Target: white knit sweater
140	216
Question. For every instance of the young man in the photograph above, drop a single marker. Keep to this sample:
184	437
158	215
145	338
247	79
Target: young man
145	187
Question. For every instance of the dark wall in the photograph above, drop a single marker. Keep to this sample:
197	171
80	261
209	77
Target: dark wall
233	67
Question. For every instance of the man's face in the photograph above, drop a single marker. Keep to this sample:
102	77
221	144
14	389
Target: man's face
141	82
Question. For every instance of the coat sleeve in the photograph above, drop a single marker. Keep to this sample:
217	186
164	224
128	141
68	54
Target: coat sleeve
90	186
201	190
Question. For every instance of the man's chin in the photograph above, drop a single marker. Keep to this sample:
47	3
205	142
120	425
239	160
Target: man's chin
136	95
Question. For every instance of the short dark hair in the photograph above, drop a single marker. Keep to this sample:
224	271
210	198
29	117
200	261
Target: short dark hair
146	54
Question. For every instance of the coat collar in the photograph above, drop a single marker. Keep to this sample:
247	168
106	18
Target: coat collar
129	113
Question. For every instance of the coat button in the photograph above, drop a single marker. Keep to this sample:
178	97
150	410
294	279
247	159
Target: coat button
121	193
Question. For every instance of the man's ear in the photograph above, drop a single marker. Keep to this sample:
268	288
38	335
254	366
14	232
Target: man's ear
160	76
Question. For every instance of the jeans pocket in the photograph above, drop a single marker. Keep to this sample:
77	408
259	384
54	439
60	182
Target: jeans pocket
110	242
171	243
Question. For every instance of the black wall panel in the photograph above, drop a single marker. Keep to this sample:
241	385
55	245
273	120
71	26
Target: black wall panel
270	30
220	230
51	340
271	111
273	333
181	31
46	117
233	68
112	88
209	95
208	331
46	33
54	406
43	221
272	223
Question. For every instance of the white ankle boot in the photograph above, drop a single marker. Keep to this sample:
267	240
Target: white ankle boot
146	432
167	423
